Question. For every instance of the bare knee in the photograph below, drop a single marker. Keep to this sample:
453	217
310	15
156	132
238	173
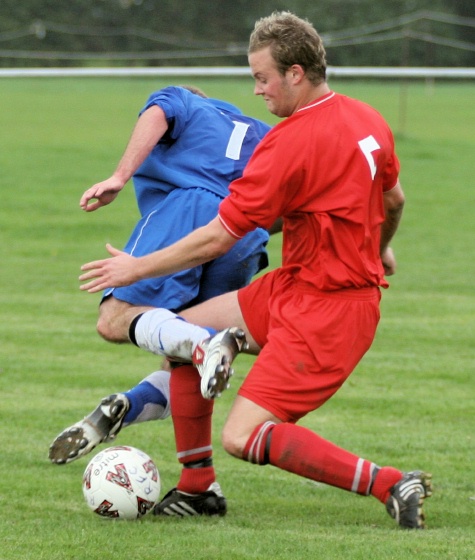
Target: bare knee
244	429
232	443
114	319
105	328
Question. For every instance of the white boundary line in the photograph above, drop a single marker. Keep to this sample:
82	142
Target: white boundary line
332	71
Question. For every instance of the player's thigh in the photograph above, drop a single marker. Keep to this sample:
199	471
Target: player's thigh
286	380
308	356
218	313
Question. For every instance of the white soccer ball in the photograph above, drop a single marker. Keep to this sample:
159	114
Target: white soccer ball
121	483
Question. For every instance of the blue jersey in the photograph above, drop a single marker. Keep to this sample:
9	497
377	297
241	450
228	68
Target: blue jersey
207	145
179	188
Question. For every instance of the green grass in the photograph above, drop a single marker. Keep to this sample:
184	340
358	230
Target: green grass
410	402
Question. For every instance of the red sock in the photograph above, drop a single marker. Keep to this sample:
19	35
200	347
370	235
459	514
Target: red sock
192	420
196	481
256	449
301	451
385	479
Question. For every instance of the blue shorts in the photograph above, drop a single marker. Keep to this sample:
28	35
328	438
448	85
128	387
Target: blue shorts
177	214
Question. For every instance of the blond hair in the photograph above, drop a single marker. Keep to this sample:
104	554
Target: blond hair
195	90
292	40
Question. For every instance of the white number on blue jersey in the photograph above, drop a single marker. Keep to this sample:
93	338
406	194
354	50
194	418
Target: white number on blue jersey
233	150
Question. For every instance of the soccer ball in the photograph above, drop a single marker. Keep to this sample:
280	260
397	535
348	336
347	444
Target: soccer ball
121	483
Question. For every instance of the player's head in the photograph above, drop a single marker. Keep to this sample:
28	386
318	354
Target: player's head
291	40
287	61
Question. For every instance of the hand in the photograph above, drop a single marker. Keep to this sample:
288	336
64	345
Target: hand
103	193
120	270
389	261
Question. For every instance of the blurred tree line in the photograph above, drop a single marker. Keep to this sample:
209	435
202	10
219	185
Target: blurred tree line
215	32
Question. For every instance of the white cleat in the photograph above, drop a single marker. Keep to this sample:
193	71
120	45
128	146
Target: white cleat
102	424
213	359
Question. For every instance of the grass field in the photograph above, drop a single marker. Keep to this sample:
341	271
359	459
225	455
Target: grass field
410	403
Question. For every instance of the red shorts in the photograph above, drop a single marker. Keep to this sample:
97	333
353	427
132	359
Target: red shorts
311	341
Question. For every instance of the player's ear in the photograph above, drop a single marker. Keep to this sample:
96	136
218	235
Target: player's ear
296	73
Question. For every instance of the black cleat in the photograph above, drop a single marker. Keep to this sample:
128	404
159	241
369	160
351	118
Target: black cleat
407	498
180	504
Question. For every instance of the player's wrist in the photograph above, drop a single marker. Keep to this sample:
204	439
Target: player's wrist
143	268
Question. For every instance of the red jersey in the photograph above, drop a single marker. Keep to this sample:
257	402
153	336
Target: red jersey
324	170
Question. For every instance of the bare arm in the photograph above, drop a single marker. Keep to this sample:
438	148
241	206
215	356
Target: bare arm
200	246
393	207
150	127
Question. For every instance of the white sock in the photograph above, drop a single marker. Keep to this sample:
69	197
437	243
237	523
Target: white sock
164	333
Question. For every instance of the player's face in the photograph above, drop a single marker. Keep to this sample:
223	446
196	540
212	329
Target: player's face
269	82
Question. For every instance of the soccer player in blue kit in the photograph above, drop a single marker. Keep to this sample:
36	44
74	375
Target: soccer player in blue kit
184	151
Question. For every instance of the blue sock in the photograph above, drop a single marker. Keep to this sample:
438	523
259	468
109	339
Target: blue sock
142	395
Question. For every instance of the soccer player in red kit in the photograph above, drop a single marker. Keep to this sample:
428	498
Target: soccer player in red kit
330	171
